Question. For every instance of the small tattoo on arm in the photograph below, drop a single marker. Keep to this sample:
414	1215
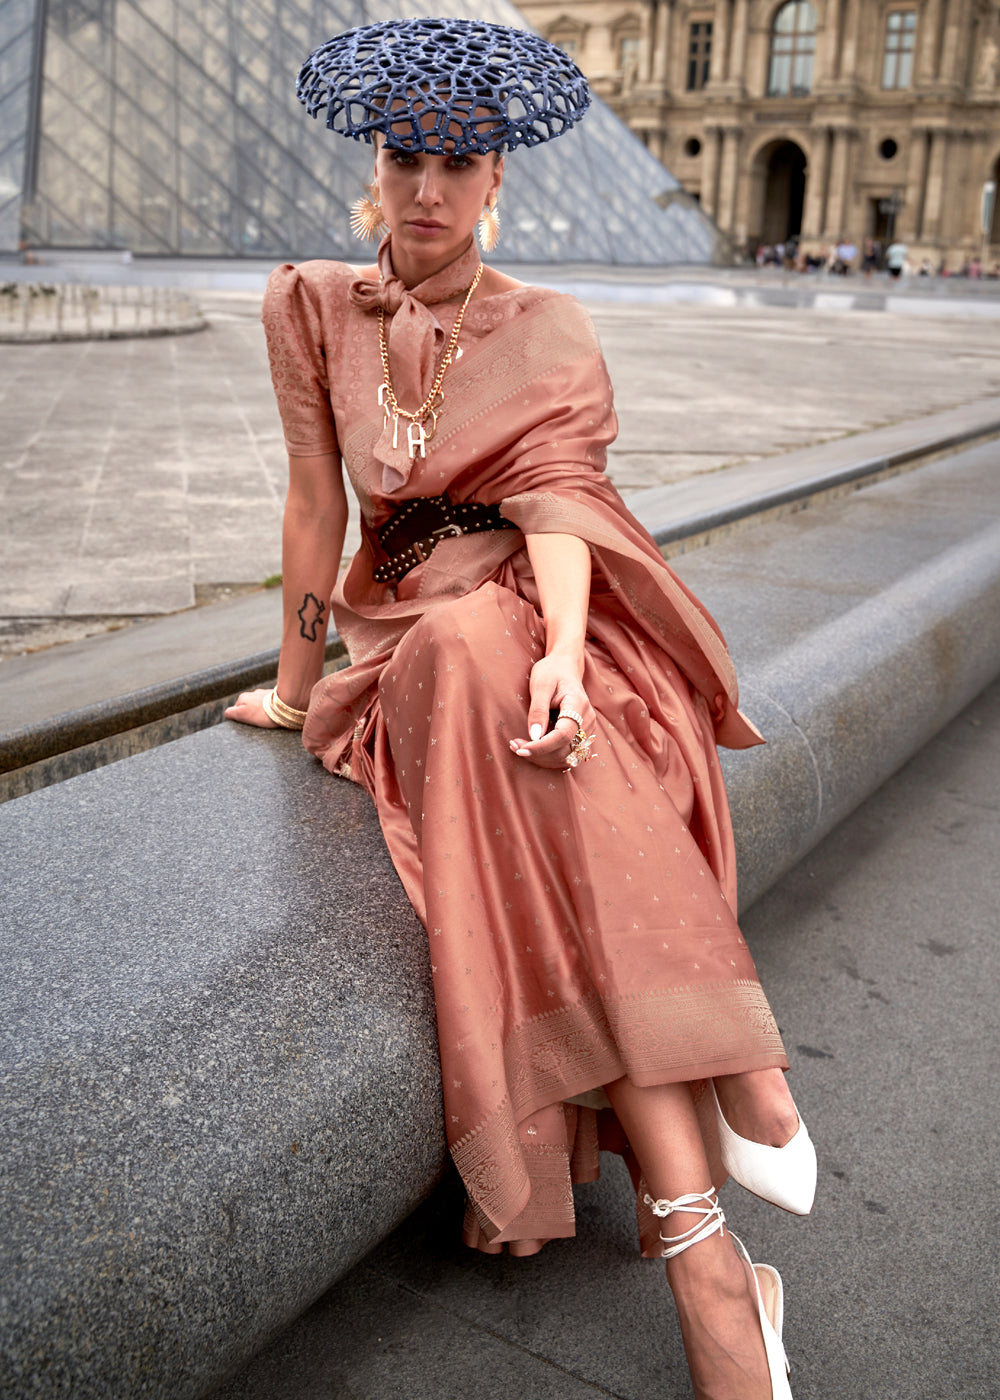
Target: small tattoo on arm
310	616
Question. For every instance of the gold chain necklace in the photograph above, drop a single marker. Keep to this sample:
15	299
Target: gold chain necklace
423	420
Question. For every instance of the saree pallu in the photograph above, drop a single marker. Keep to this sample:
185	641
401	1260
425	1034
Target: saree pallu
581	926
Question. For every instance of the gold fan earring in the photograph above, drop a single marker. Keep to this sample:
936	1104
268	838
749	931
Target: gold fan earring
489	226
367	220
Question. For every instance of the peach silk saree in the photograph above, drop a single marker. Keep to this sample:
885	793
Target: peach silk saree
581	926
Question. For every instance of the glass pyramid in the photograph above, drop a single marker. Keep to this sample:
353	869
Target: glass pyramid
171	127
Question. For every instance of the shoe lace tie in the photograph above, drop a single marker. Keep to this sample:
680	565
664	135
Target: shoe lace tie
712	1219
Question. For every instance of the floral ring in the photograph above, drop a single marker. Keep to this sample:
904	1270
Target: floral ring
579	750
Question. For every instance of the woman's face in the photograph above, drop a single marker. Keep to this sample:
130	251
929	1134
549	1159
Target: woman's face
431	204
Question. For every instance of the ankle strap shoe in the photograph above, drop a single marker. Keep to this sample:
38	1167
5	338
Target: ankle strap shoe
712	1219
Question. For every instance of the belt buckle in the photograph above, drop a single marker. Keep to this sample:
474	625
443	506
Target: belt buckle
423	548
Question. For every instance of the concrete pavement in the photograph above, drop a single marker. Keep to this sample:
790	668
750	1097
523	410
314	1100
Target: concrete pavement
138	478
880	956
40	685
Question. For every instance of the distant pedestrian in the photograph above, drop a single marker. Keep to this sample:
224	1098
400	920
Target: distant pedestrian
895	258
846	252
869	260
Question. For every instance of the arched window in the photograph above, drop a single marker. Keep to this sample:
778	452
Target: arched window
793	42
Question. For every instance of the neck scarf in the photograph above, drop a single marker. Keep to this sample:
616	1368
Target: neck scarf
415	338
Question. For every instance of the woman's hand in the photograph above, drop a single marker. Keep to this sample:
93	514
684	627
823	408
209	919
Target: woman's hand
249	709
555	684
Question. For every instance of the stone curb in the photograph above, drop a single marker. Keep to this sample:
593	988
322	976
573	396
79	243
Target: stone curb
847	705
63	734
186	327
791	481
760	489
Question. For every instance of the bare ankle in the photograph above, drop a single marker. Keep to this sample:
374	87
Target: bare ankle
715	1294
714	1267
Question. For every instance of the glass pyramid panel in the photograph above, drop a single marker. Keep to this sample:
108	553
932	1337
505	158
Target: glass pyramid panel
16	26
171	126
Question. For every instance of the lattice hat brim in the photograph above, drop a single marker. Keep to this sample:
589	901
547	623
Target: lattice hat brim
444	84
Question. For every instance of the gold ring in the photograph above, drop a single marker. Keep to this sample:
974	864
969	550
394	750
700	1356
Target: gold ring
579	749
570	714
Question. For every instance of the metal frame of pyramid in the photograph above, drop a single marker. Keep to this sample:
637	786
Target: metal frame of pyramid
175	130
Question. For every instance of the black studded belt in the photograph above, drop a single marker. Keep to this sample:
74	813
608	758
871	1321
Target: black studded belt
412	534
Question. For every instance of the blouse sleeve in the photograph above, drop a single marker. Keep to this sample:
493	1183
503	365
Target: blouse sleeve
295	348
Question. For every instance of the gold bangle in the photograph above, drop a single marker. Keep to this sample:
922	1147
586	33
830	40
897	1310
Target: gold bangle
282	714
288	711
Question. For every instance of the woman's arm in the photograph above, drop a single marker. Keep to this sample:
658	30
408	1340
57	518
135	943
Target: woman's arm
561	565
312	540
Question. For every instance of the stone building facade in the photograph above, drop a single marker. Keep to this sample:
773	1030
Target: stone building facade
817	118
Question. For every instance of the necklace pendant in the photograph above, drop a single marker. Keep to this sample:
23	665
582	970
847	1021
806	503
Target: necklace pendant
395	430
416	440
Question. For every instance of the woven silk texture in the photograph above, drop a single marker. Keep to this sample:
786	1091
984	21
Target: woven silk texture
581	926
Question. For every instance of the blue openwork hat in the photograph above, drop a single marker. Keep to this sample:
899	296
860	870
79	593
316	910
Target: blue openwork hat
487	87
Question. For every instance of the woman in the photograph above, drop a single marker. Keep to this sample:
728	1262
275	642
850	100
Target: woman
533	699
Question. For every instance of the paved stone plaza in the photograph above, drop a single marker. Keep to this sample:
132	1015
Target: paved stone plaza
140	477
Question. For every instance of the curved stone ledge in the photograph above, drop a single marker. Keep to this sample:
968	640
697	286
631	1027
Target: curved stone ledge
77	728
186	326
219	1058
846	706
219	1062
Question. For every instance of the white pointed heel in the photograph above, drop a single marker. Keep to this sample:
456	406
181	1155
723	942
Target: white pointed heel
771	1311
785	1176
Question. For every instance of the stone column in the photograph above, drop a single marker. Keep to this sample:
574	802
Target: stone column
729	174
911	224
661	42
852	26
836	204
987	55
814	213
827	62
710	169
738	49
645	66
934	202
960	194
952	69
926	56
720	41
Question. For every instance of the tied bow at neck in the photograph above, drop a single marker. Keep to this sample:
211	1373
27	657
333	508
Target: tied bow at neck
415	340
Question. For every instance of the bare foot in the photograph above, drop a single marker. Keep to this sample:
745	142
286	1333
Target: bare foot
758	1106
717	1306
